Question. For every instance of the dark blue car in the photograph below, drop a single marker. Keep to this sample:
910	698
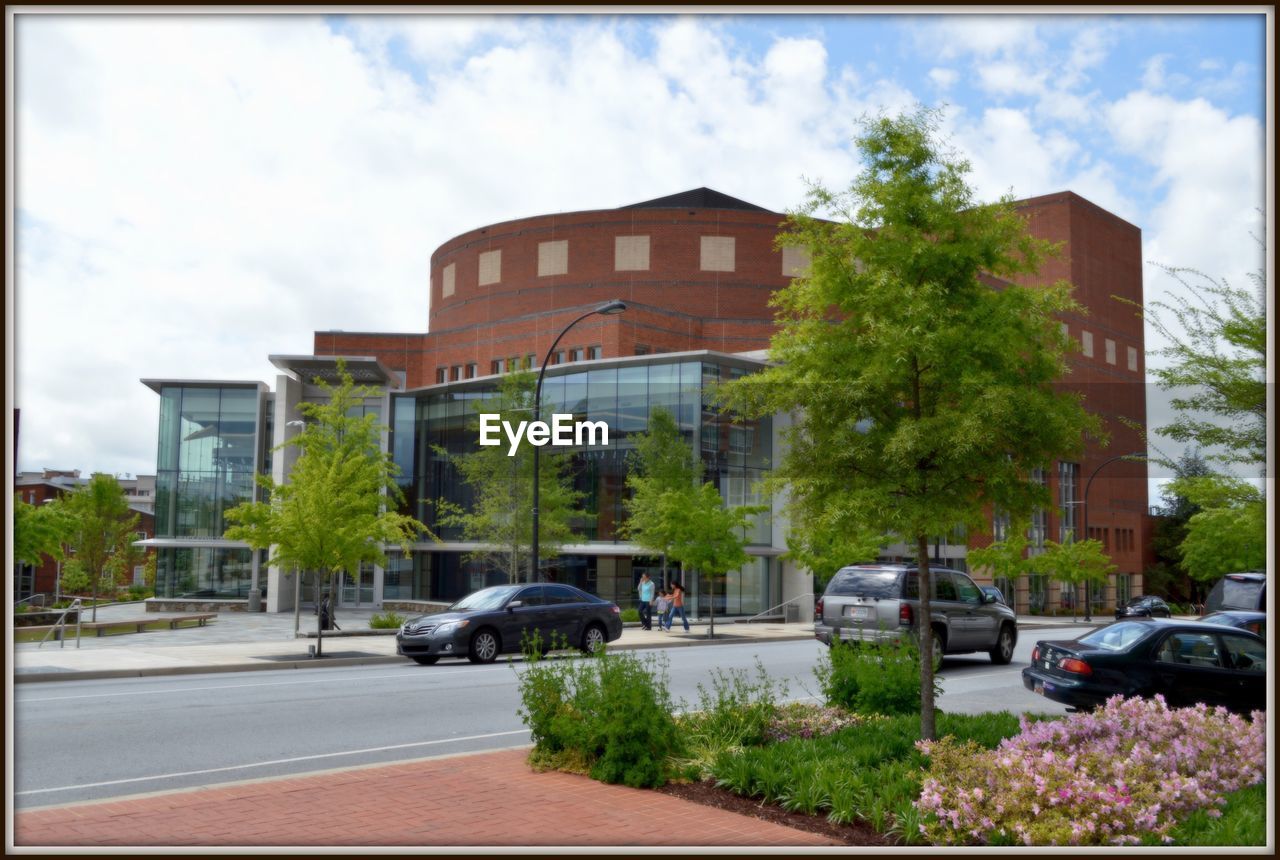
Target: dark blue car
1187	662
497	620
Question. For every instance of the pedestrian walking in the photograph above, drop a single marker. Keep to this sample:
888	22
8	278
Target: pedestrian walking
646	588
677	605
663	608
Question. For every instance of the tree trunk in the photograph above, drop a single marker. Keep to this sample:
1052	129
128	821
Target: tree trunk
711	586
665	582
319	615
97	574
928	730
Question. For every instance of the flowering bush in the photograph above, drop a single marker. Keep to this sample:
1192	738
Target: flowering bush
1113	776
805	720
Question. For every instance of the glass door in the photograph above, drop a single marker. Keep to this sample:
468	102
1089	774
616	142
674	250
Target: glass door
359	593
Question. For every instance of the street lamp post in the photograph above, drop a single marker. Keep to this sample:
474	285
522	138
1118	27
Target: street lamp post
614	307
1085	517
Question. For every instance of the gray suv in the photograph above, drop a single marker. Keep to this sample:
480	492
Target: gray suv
879	602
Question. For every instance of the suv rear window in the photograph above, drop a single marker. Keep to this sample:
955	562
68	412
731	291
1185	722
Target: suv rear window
1240	593
866	583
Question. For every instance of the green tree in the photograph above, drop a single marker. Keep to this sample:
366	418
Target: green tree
824	537
1168	575
101	533
714	538
1005	559
1229	531
501	516
922	393
335	512
1074	563
663	471
38	531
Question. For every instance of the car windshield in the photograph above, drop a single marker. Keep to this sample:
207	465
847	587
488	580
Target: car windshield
485	598
866	583
1137	601
1115	637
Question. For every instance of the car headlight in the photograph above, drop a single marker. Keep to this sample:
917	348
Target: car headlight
451	626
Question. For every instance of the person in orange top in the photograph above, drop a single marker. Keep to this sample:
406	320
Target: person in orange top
677	605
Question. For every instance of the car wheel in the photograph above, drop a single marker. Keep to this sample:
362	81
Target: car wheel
484	647
593	639
426	661
938	648
1003	652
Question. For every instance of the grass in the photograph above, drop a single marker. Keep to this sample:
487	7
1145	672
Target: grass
1243	822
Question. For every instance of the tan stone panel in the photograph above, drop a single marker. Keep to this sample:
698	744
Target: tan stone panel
553	258
490	267
631	253
1086	344
795	262
717	253
1133	358
1111	351
450	272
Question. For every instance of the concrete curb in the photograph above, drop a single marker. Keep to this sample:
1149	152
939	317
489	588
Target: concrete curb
690	641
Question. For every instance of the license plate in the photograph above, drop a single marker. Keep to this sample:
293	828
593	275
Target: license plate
858	613
1039	687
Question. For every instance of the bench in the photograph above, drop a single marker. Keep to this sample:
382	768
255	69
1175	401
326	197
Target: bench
136	625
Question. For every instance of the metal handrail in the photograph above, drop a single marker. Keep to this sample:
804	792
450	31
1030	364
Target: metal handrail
32	598
770	610
61	626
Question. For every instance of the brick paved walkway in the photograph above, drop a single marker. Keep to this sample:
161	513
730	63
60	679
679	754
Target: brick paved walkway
469	800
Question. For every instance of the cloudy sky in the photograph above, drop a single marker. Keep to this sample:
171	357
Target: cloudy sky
195	192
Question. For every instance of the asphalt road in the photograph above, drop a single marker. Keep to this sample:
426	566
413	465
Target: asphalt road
86	740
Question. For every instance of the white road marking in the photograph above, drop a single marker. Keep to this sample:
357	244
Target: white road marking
268	763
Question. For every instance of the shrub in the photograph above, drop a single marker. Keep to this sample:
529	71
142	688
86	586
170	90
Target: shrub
734	712
805	720
883	679
1115	776
608	715
139	592
386	621
1242	820
630	615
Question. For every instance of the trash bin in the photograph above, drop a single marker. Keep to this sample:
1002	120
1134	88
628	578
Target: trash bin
791	613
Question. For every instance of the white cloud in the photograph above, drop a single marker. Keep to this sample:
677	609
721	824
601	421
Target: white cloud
980	35
944	79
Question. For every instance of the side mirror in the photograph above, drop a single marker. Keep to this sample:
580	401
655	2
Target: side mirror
515	604
989	598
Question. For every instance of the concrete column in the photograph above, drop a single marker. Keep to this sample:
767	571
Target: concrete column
377	586
288	395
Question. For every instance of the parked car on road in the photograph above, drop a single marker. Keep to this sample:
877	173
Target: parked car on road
992	591
1185	661
1238	591
1254	622
497	620
1144	607
878	603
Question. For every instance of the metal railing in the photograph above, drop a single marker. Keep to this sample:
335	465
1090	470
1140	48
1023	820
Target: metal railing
771	609
60	626
35	600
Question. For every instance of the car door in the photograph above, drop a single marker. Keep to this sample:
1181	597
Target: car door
1248	659
567	613
946	602
981	619
1190	668
524	620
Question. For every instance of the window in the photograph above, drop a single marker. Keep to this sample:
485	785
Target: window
741	439
553	258
967	591
795	262
594	352
1133	358
999	525
1068	479
557	357
642	349
449	272
530	361
490	267
1248	655
1111	351
455	372
1190	649
440	374
1086	343
496	366
575	354
717	253
630	253
471	371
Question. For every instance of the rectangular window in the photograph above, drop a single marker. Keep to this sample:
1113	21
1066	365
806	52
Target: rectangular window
594	352
490	267
741	439
449	272
553	258
631	253
471	371
530	361
496	366
455	373
1133	358
641	349
440	373
999	525
1068	480
1086	344
717	253
795	262
1111	351
575	354
1065	331
557	357
1039	531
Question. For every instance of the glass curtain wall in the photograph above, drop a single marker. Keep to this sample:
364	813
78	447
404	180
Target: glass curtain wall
735	452
205	465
